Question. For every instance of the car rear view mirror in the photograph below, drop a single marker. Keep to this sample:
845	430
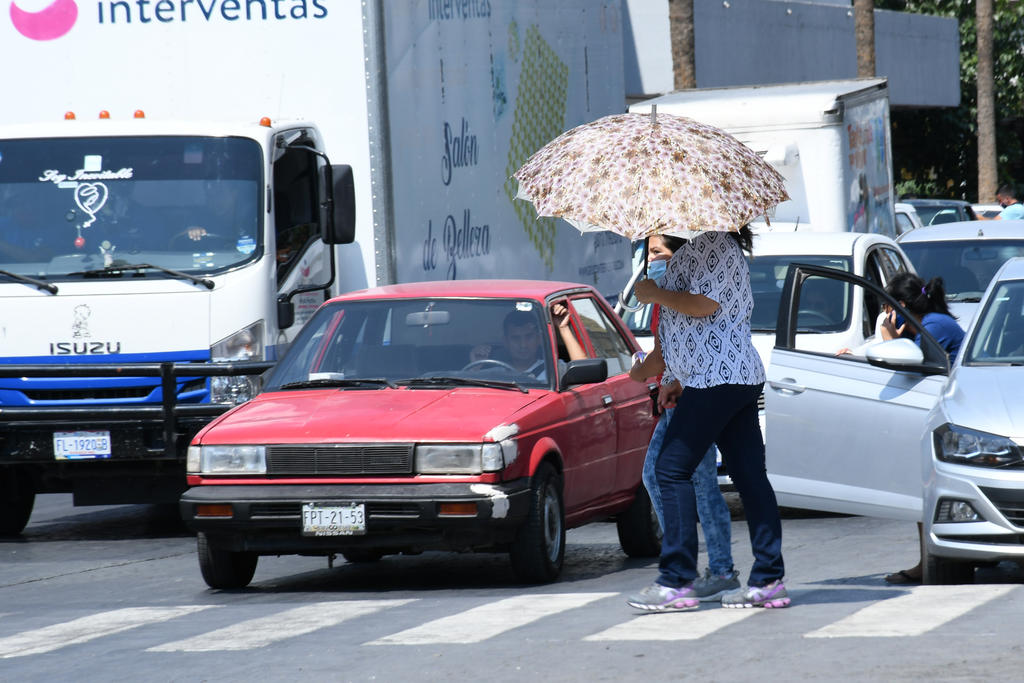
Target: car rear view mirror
586	371
427	318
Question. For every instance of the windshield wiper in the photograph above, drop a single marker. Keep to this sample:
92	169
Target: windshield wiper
338	382
957	299
52	289
119	268
468	381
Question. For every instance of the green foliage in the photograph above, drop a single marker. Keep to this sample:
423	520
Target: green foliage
937	148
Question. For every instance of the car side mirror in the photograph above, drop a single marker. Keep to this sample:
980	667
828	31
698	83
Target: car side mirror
586	371
900	354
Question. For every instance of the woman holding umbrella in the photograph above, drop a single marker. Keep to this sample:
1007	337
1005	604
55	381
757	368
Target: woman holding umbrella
706	344
641	175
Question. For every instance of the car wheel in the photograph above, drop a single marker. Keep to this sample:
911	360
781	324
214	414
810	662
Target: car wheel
16	501
224	568
361	555
638	527
943	570
539	548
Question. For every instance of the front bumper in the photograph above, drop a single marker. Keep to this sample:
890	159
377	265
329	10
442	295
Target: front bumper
997	496
266	518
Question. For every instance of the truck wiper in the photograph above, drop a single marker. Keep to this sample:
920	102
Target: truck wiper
118	268
51	288
338	382
468	381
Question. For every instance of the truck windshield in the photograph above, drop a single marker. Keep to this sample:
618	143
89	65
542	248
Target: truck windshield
76	205
428	343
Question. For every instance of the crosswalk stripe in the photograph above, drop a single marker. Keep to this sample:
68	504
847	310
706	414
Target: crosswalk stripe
88	628
255	633
487	621
675	626
921	610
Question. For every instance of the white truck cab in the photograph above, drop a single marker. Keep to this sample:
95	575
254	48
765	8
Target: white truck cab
148	270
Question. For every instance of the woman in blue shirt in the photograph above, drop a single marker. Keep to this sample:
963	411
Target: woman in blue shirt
927	303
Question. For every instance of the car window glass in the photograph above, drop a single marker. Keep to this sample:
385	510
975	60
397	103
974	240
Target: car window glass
903	223
999	335
825	306
605	337
768	275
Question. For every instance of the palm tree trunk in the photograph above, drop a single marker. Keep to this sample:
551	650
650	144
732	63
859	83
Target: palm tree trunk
864	34
987	175
680	22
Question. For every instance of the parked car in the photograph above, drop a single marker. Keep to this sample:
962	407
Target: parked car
987	210
965	255
902	434
399	421
907	218
936	211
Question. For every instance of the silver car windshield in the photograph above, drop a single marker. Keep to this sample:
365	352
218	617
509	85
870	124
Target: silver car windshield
999	335
498	340
79	205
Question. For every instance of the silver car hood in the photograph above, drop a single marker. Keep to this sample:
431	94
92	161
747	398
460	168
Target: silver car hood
989	399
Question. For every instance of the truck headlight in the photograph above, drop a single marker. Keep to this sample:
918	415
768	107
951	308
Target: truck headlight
244	345
227	460
963	446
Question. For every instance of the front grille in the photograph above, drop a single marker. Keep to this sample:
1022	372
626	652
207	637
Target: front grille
341	459
90	393
1009	501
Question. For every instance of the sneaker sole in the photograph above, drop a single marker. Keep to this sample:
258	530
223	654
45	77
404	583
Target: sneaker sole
767	604
672	606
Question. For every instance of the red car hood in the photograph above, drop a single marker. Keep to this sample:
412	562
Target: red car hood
401	415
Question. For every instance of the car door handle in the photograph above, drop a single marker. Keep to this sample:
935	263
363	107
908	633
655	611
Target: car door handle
787	385
606	400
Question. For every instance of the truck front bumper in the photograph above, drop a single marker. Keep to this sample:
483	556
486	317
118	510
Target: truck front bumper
267	519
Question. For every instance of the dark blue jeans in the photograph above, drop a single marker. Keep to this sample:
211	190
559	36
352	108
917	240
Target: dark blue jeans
727	415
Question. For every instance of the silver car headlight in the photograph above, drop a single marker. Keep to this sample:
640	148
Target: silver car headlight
227	460
244	345
963	446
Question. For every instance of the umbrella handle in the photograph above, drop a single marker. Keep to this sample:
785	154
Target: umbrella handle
640	272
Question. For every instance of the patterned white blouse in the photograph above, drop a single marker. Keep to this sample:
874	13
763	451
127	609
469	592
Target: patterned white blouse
716	349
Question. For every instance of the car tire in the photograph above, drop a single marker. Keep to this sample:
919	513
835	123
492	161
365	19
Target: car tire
538	550
361	555
638	527
224	568
16	501
945	571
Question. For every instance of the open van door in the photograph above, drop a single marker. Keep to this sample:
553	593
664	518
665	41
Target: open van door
844	432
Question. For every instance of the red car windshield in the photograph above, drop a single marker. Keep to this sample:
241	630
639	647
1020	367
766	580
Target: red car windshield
505	340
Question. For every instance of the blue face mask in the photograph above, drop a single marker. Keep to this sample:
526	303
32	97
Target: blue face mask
656	269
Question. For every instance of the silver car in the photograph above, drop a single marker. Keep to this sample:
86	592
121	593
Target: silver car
901	433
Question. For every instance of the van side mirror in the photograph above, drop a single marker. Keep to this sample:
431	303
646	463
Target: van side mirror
338	210
586	371
285	313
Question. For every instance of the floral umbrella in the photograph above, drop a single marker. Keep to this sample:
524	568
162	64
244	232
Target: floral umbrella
640	175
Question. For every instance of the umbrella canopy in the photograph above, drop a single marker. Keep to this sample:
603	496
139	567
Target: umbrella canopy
649	174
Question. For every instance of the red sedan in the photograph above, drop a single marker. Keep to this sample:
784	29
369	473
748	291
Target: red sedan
469	415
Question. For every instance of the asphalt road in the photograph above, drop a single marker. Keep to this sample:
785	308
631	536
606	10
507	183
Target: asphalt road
99	594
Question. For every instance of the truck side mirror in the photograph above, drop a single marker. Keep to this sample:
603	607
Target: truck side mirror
338	211
285	314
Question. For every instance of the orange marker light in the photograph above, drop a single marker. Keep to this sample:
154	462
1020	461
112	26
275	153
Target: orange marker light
208	510
457	509
69	116
265	122
104	114
139	114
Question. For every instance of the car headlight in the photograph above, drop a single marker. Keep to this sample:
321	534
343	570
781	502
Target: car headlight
455	458
962	446
227	460
244	345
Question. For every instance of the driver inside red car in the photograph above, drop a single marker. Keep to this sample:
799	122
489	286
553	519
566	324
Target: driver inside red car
522	342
